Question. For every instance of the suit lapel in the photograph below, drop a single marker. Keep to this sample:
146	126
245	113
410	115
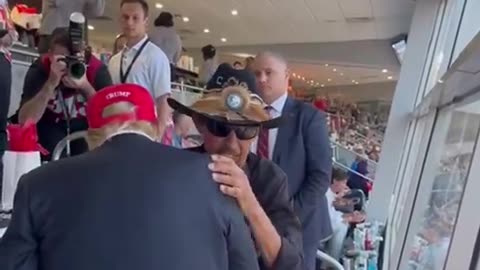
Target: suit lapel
284	130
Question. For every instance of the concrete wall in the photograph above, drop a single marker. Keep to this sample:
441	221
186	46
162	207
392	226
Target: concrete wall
362	92
366	53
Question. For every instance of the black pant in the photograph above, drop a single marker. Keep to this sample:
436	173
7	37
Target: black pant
5	85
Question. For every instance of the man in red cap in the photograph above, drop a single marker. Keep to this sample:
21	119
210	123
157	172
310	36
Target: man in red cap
130	203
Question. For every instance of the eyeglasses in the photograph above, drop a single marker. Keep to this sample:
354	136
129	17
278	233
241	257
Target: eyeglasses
220	129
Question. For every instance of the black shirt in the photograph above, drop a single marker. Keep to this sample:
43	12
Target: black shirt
269	184
53	125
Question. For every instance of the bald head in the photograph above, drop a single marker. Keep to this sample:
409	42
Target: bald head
271	72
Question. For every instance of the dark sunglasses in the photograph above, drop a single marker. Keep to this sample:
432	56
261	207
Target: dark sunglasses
220	129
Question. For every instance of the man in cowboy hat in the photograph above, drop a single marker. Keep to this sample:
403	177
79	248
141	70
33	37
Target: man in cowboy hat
130	203
229	118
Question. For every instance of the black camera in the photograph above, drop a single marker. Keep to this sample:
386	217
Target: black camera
76	61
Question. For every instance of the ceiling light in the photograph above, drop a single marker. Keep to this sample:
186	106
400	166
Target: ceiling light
439	81
186	19
334	70
158	5
326	65
294	75
341	74
234	12
353	81
329	79
303	78
389	77
356	82
91	27
384	70
206	30
223	39
323	85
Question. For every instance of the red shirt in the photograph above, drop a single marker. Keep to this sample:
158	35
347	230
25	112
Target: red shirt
321	104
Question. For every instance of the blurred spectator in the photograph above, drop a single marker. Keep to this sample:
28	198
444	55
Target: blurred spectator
210	64
166	37
57	13
337	189
249	63
182	125
119	44
237	65
360	166
321	103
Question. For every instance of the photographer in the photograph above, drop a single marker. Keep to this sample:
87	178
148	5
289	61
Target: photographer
54	99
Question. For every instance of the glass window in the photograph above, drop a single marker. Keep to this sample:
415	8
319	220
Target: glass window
470	26
441	187
444	39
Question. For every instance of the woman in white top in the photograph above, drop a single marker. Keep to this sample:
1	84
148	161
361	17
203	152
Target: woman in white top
165	36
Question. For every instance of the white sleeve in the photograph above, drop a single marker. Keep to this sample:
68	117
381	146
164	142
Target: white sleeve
114	68
160	74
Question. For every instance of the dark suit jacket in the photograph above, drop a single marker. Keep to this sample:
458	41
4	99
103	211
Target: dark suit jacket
303	152
270	186
130	204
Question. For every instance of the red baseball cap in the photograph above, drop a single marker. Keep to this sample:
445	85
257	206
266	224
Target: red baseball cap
138	96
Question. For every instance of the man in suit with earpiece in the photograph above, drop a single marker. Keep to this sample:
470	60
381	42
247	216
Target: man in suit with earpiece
301	148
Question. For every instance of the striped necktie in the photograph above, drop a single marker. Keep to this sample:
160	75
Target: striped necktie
262	145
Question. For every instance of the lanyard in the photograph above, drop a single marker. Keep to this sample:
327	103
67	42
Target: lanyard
123	76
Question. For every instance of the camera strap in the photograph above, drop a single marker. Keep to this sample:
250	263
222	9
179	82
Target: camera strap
124	75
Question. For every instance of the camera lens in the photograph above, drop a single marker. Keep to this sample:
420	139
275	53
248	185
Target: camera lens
77	70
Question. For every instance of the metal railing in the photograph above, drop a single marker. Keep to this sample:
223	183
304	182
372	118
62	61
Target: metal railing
346	157
64	144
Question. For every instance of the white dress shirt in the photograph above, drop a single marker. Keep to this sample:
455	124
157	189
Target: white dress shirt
336	217
275	111
151	69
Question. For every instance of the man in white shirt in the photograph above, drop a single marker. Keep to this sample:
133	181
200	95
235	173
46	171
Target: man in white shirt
142	62
339	225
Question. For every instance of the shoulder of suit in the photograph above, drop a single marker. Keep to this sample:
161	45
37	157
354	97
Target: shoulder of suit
258	165
308	109
49	173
